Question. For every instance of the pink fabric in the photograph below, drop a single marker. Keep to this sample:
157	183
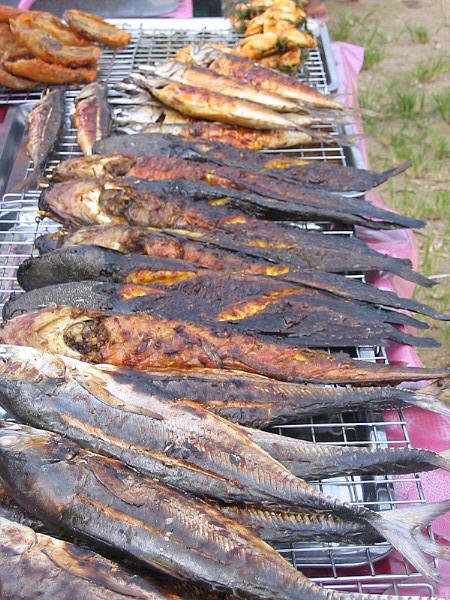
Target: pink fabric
426	429
184	10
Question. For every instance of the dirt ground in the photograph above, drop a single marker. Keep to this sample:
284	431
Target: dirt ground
404	91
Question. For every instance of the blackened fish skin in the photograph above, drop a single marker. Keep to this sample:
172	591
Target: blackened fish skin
329	176
262	306
244	244
87	262
101	499
34	565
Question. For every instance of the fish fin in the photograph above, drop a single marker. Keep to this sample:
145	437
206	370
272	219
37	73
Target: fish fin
411	340
431	398
399	527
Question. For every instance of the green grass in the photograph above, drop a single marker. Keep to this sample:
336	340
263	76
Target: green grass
428	71
442	101
418	33
406	104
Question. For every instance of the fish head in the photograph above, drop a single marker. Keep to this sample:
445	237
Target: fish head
92	89
93	166
166	68
204	54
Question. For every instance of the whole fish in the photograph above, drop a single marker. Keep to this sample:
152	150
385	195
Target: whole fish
260	306
238	247
145	341
101	499
92	117
205	78
309	203
240	137
45	122
329	176
86	262
262	78
34	565
208	104
33	391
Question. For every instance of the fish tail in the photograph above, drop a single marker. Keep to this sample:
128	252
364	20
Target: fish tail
385	175
406	273
411	340
431	398
401	528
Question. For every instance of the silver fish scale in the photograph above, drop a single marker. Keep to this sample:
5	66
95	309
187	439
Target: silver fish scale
338	566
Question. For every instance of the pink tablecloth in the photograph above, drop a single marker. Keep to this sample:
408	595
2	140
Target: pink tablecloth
184	10
426	429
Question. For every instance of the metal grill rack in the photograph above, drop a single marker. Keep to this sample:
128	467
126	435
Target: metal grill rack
349	568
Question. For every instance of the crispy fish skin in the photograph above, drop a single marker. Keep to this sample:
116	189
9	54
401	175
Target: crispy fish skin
329	176
34	566
44	72
260	77
15	83
103	500
213	106
160	343
56	28
263	307
49	48
240	137
94	28
8	12
92	406
92	116
205	78
229	251
88	262
316	461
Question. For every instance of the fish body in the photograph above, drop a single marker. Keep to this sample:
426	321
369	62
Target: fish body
45	122
283	196
207	104
329	176
239	137
94	28
145	341
206	78
238	246
92	116
34	566
266	79
263	307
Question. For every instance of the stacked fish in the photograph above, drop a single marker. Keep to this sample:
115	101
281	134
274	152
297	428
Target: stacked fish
177	314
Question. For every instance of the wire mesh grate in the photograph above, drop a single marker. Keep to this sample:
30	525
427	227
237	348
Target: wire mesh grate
344	567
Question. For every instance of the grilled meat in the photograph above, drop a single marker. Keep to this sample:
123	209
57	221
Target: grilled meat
8	12
34	566
260	77
67	405
263	307
329	176
49	48
56	28
45	122
41	71
10	47
207	104
92	116
96	29
239	137
205	78
236	251
80	263
145	341
15	83
279	195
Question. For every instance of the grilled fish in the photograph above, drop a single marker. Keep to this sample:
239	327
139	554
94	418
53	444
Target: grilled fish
34	566
41	71
205	78
45	122
145	341
80	263
263	307
33	393
306	202
329	176
92	116
101	499
252	239
262	78
94	28
239	137
207	104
